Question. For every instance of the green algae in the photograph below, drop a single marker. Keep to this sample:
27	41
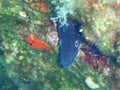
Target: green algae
23	68
101	22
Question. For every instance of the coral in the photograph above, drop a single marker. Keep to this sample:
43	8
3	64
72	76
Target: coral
64	9
93	57
102	23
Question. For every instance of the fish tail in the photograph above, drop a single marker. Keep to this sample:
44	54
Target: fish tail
48	48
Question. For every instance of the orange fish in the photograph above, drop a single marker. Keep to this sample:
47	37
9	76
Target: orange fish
42	6
37	44
118	4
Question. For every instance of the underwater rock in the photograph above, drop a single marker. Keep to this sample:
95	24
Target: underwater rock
52	37
2	50
64	9
117	73
91	83
101	23
1	47
7	83
1	39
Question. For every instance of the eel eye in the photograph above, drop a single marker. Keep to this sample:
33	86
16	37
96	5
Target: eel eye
76	43
31	43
